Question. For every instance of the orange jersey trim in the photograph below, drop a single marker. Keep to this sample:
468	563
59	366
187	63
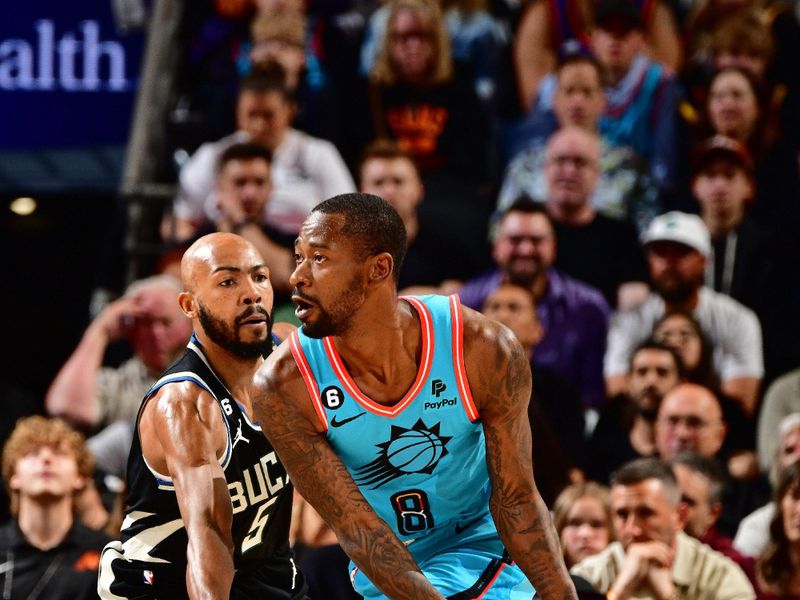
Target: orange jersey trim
491	583
422	373
457	319
308	377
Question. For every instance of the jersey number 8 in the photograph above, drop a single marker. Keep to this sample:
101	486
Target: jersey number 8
413	511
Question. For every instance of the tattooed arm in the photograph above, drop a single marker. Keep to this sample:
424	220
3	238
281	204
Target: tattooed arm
500	379
283	408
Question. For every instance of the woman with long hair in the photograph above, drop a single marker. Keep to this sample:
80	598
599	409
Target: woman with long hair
778	568
680	331
582	517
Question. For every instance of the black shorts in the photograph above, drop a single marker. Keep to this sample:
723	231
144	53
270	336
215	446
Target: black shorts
276	579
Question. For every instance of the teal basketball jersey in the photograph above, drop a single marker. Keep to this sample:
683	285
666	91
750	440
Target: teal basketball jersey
421	463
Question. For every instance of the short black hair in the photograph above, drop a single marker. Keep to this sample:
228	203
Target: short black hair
371	223
243	151
529	206
652	344
706	466
642	469
265	78
523	204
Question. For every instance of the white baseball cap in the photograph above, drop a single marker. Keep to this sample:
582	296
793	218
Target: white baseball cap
679	227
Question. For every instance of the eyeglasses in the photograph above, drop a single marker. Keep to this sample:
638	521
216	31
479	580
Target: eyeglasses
516	240
691	422
579	162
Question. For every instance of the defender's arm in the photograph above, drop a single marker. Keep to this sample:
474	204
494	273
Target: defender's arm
189	431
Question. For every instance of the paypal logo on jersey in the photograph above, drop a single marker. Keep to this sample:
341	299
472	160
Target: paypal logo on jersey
440	403
437	388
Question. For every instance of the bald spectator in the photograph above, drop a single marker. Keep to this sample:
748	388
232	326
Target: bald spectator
626	427
691	420
702	484
600	251
653	557
148	317
573	315
624	191
677	247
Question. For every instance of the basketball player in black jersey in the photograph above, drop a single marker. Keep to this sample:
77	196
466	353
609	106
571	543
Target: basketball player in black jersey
209	503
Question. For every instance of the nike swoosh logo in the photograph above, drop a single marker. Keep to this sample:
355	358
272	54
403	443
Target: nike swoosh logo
336	423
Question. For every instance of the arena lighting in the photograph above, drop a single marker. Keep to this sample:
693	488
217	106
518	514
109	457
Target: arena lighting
23	206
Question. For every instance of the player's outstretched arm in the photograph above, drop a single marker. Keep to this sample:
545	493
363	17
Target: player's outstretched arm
283	408
500	379
190	428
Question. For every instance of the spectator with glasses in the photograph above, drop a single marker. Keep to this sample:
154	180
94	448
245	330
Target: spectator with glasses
690	419
594	248
573	315
680	331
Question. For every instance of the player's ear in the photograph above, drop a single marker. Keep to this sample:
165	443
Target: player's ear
188	304
381	267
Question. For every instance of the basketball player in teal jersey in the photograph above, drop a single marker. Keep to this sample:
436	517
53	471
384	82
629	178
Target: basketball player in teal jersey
403	421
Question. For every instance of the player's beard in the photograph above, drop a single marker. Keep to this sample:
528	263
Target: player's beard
226	336
335	319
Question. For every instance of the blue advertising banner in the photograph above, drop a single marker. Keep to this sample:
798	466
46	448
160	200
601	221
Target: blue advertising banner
68	75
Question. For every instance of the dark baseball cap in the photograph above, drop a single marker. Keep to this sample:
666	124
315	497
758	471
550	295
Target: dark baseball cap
617	14
721	146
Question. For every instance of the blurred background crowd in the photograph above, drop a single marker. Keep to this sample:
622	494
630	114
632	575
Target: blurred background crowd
618	181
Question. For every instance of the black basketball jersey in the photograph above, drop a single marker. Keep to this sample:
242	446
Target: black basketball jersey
153	539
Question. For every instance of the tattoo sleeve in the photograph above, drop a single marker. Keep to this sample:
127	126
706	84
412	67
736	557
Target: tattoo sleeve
282	406
500	378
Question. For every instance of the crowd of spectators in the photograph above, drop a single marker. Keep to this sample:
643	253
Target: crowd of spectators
617	181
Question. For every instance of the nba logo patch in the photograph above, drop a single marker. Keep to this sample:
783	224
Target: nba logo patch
148	577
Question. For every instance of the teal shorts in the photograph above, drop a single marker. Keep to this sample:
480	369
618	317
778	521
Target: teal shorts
464	574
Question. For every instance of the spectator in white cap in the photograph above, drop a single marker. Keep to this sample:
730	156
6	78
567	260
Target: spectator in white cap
677	246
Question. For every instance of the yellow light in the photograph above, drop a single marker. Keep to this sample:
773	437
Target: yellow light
23	206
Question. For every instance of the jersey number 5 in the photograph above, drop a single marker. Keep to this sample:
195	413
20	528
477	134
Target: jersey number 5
256	532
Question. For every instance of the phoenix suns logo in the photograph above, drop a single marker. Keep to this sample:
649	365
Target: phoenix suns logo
415	450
